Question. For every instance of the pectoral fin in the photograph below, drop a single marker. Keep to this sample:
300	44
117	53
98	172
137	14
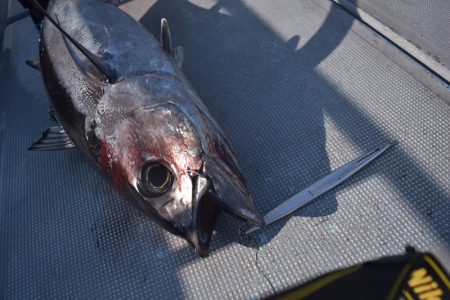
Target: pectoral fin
54	138
107	74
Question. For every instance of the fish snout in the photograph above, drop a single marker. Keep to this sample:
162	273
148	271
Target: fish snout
213	191
230	192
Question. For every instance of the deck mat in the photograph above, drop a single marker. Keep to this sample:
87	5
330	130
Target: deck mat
299	94
425	24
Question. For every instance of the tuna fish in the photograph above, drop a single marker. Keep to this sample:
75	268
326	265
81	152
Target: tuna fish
120	97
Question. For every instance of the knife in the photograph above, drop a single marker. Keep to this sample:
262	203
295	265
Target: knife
322	186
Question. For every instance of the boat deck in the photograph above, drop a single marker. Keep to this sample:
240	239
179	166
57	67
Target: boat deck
300	88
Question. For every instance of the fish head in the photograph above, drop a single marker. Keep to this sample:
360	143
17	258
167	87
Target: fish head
157	156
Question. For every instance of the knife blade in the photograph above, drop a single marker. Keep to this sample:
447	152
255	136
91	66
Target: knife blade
322	186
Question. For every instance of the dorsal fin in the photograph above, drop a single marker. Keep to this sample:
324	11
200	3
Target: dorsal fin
166	39
109	77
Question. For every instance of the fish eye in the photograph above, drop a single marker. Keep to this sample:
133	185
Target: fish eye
156	179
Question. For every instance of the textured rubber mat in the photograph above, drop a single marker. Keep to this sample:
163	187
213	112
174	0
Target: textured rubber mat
425	24
298	94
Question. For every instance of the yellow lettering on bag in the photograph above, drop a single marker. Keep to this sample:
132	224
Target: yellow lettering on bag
433	295
419	277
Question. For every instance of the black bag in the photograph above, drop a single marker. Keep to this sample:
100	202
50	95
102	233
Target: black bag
411	276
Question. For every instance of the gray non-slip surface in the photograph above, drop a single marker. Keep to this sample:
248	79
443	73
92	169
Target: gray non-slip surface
298	94
425	24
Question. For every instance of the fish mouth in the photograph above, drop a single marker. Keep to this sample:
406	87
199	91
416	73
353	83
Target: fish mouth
208	203
199	235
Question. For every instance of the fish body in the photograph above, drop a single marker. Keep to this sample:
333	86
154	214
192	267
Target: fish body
139	119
